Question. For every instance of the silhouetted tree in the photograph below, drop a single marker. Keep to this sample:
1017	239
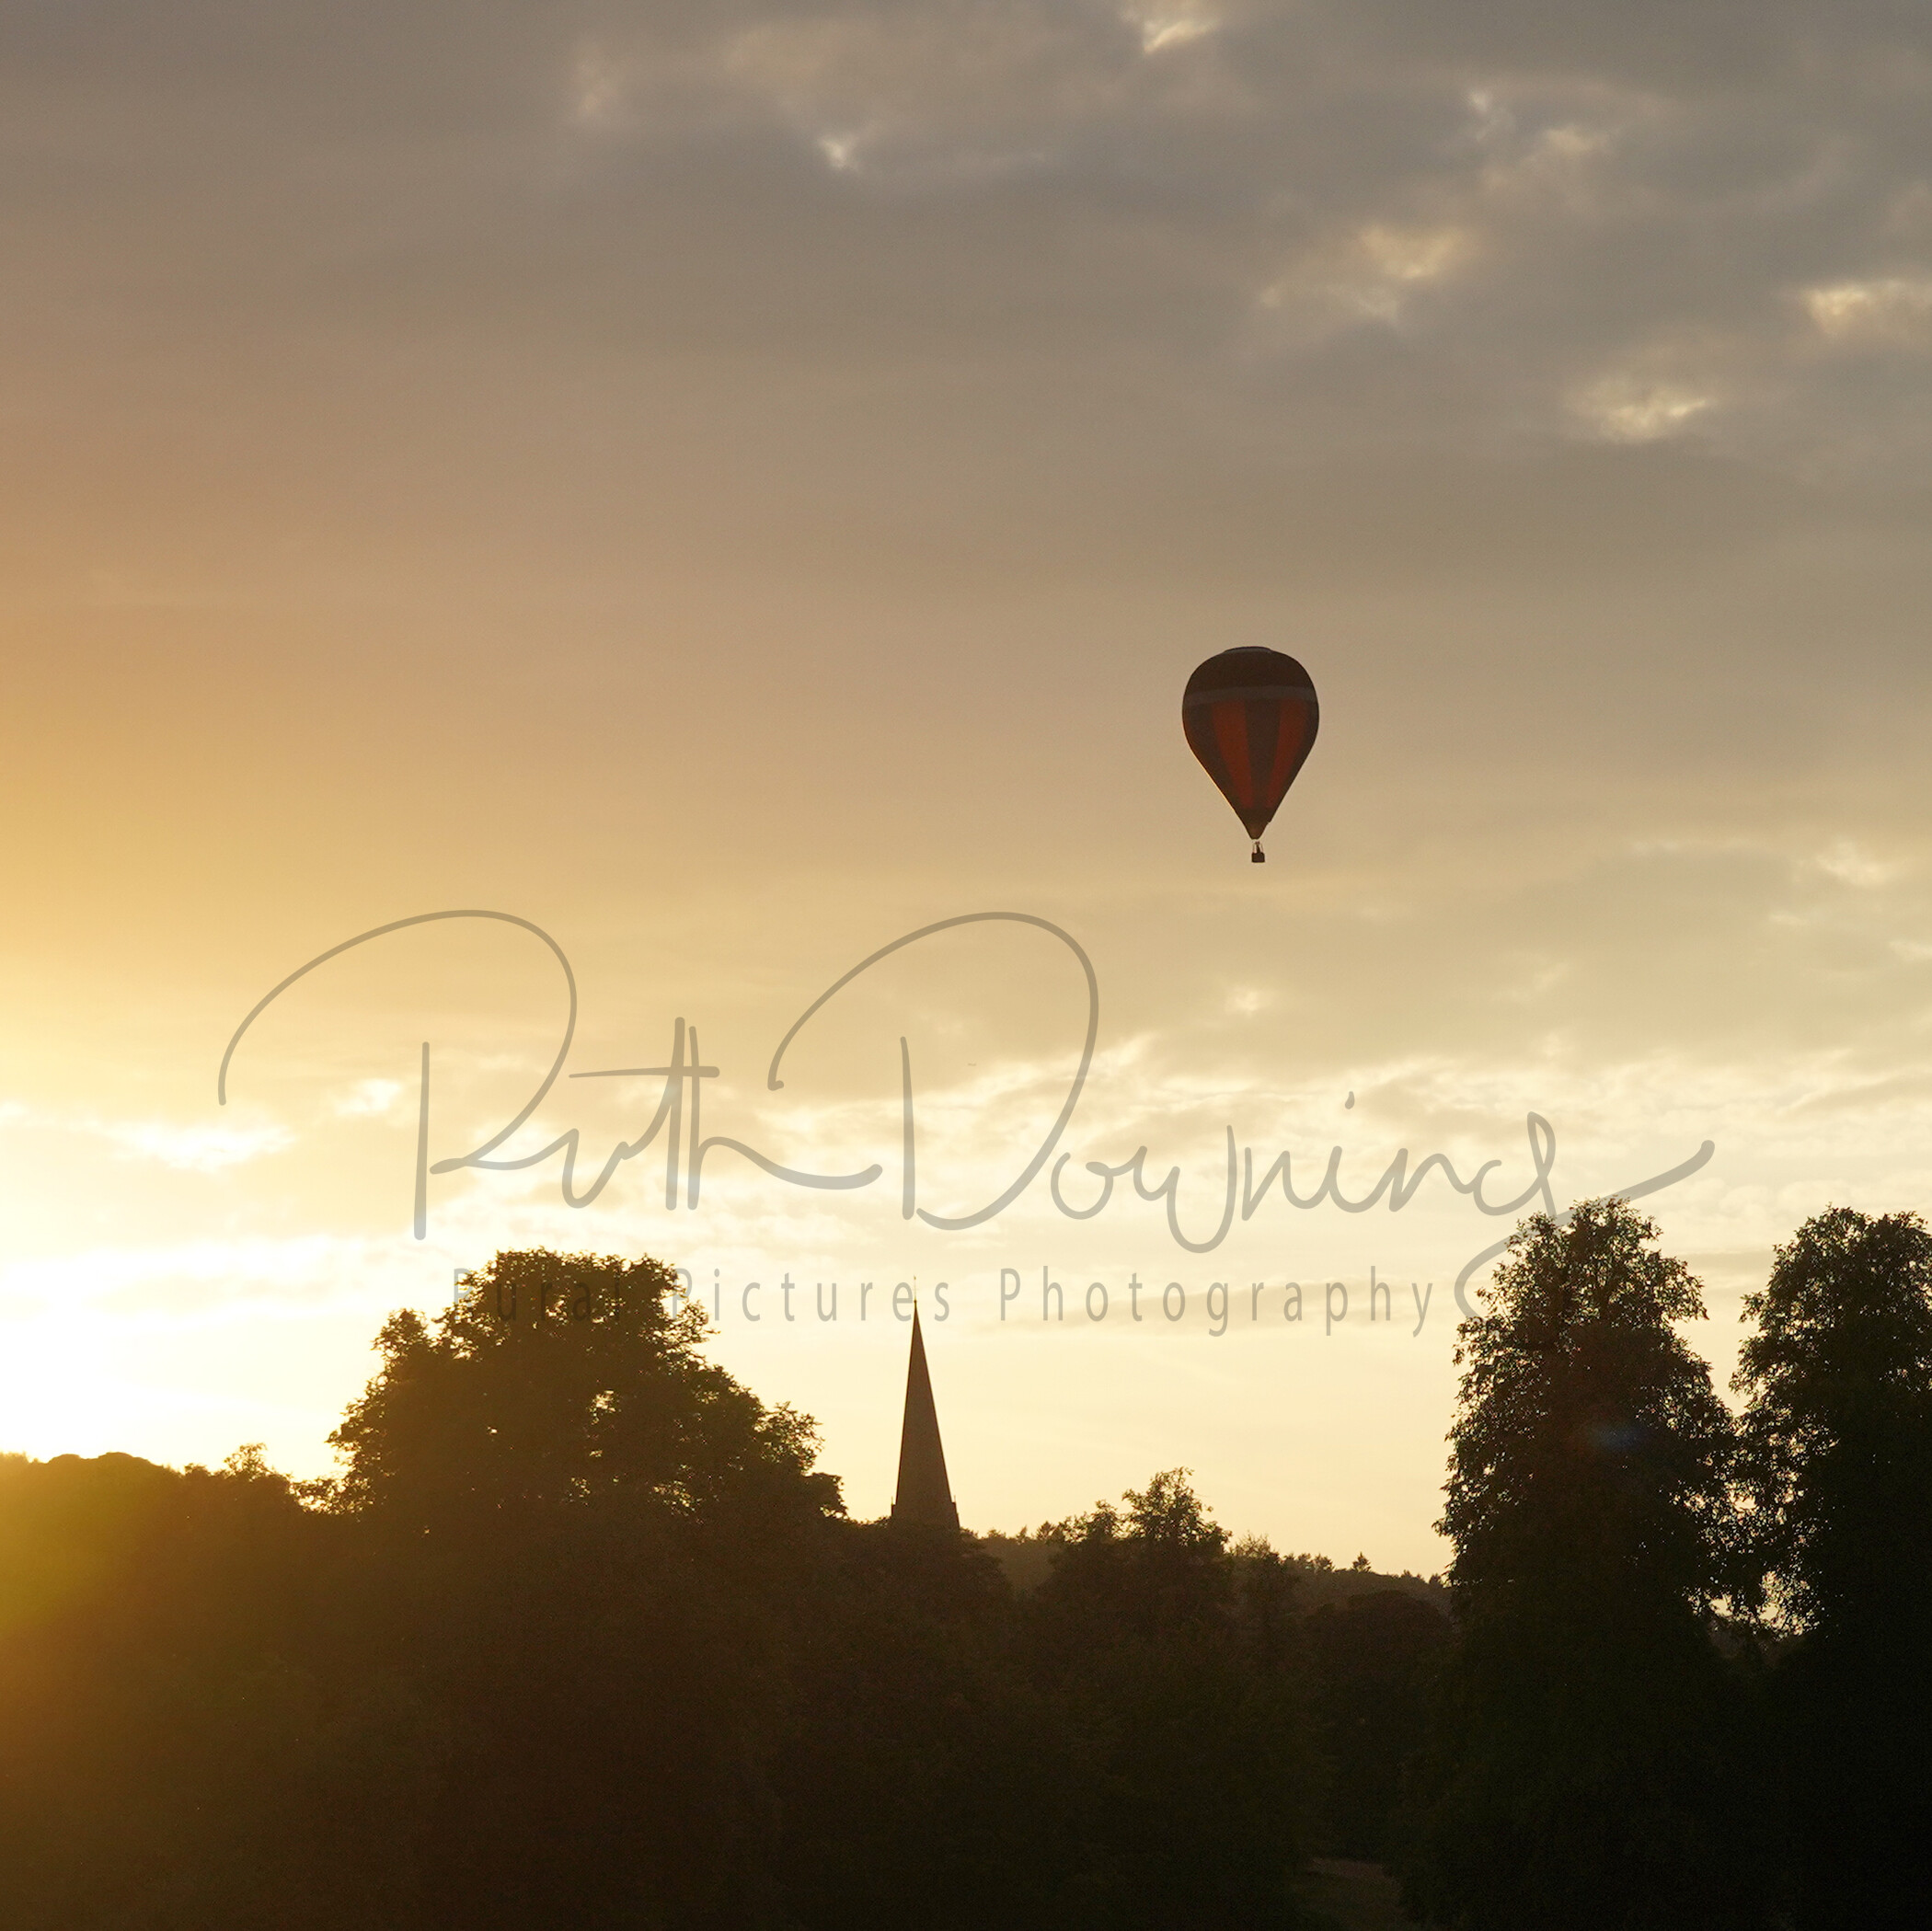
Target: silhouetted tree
1193	1768
1587	1730
590	1546
1838	1437
182	1746
579	1636
1375	1657
923	1773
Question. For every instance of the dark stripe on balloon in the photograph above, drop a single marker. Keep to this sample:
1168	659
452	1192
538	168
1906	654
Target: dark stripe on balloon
1201	742
1299	692
1264	734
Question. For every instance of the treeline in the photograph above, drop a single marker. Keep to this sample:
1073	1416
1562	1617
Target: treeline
580	1637
1690	1682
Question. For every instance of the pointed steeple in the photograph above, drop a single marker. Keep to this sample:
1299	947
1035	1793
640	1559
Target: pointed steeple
924	1496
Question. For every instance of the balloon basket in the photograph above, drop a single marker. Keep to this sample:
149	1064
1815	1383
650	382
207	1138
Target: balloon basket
1257	857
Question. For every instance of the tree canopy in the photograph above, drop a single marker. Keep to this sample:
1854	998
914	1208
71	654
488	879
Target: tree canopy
1838	1461
581	1634
1592	1458
1588	1735
1838	1430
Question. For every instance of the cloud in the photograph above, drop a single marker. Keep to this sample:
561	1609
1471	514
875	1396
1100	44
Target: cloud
1305	227
599	84
1847	861
1167	27
1893	309
193	1274
368	1098
1627	408
192	1149
1371	276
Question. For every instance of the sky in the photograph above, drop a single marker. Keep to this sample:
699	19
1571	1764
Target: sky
733	486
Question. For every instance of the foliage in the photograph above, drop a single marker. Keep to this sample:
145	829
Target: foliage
1591	1456
579	1634
180	1745
1181	1698
1587	1727
1838	1438
1838	1432
564	1379
1375	1657
593	1546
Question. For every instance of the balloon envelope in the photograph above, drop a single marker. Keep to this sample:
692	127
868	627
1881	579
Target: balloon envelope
1251	716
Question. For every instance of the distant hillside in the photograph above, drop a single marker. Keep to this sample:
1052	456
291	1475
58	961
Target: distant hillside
1027	1560
1321	1582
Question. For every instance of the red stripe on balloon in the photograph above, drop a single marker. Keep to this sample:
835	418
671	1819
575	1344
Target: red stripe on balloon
1231	738
1292	734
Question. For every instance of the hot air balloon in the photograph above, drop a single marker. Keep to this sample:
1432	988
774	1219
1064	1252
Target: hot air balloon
1251	716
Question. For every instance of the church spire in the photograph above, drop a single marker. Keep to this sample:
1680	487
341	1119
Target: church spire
922	1496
